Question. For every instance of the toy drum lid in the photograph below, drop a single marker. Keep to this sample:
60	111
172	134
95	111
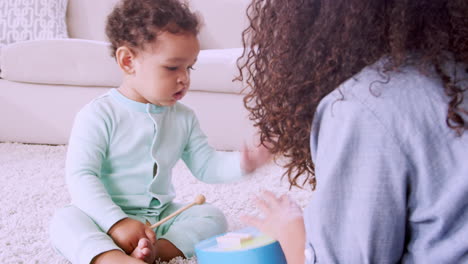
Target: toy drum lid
253	248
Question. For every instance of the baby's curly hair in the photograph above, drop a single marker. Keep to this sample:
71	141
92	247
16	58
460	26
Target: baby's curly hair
134	23
298	51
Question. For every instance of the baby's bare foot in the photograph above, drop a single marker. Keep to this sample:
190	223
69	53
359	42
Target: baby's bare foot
144	251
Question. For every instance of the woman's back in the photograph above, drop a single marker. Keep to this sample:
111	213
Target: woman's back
391	175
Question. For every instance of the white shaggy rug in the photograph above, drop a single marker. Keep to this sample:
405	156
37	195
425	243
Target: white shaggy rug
32	186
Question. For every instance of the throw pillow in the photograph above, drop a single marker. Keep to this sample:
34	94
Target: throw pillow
22	20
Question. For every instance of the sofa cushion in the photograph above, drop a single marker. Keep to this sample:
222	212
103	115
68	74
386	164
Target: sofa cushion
86	19
26	20
215	70
88	63
223	20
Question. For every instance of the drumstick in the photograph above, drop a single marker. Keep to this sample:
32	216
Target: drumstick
200	199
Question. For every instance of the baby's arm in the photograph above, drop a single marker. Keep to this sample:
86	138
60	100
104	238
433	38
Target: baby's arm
213	166
205	163
86	152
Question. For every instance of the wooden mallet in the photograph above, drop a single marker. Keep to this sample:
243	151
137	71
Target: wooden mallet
200	199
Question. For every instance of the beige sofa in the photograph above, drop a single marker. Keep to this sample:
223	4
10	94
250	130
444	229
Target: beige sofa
45	82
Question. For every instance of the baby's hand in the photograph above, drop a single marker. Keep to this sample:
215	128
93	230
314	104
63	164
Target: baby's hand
252	159
127	232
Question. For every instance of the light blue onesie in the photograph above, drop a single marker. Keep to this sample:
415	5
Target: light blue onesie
392	178
115	147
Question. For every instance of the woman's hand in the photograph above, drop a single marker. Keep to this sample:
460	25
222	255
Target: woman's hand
283	221
127	232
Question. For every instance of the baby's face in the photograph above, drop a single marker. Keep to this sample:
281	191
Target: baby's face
162	70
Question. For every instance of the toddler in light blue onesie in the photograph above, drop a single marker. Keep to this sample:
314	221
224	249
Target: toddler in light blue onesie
125	143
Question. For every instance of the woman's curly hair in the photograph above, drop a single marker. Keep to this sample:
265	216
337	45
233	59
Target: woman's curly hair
298	51
134	23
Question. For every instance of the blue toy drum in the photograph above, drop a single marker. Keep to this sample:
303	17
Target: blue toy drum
259	249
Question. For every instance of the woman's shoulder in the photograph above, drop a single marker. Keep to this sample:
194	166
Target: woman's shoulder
406	90
406	104
406	96
410	107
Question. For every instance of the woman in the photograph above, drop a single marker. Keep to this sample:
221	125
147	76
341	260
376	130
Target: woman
366	100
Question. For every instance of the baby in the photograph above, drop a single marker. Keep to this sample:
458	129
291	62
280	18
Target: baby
125	143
